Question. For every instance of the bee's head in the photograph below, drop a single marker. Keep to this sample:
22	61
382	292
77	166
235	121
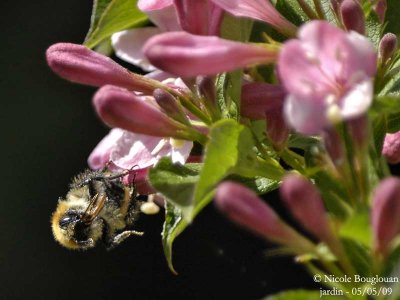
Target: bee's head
68	228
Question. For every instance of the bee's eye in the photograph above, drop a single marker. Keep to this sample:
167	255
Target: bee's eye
67	220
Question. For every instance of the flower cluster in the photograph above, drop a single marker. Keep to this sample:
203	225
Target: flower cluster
297	96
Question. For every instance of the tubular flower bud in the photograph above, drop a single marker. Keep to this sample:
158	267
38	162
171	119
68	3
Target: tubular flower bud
380	9
277	130
200	17
385	213
260	98
391	147
170	106
242	206
387	46
206	88
79	64
261	10
359	129
333	145
173	52
352	16
120	108
305	203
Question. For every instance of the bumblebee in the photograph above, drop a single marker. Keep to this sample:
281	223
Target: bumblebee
97	207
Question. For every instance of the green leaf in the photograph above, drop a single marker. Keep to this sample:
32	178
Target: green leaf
387	104
392	263
357	227
175	181
392	17
173	226
379	129
303	142
373	28
110	16
292	11
393	123
295	295
359	256
260	185
177	184
229	84
230	151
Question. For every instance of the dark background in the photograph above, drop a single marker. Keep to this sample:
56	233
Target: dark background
49	129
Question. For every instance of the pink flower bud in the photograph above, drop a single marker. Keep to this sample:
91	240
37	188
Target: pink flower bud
120	108
170	106
380	9
333	145
387	46
359	129
305	203
391	147
385	213
206	88
188	55
352	16
243	206
200	17
259	98
82	65
277	130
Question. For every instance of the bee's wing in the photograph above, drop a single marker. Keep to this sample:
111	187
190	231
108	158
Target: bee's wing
94	208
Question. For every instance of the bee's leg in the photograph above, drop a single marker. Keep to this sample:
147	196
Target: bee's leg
133	208
119	238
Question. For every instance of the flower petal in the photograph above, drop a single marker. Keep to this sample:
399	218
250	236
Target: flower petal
149	5
128	45
180	154
305	116
100	155
261	10
134	149
357	101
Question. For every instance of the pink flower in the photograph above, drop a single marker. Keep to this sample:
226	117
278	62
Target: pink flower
127	150
261	10
188	55
328	76
391	147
